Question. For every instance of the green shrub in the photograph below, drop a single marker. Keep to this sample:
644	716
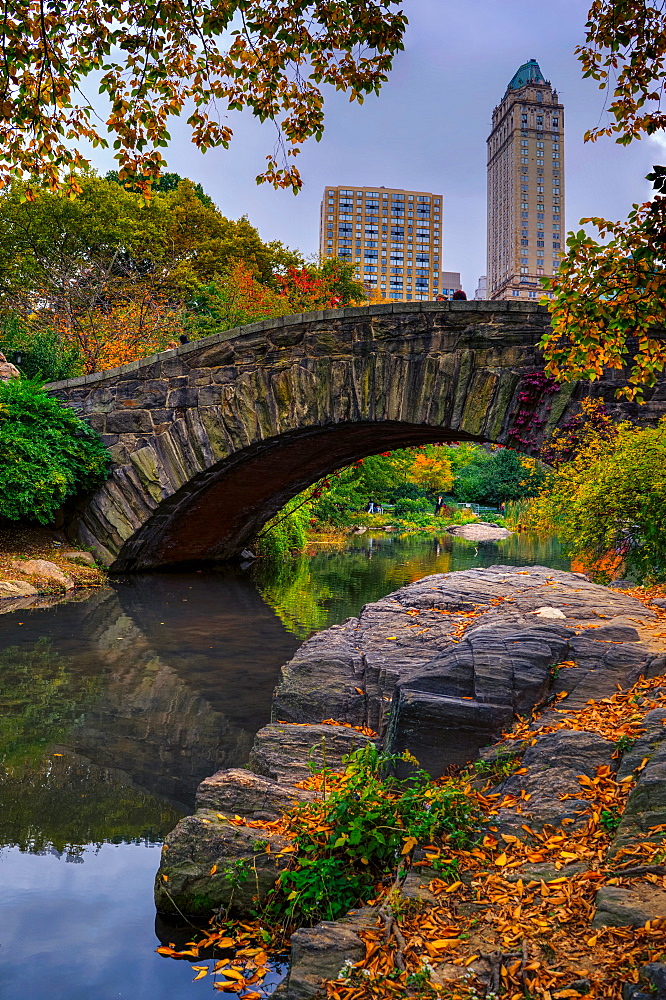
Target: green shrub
38	354
286	533
406	507
356	836
47	453
493	478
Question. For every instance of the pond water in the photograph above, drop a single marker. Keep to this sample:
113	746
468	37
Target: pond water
113	709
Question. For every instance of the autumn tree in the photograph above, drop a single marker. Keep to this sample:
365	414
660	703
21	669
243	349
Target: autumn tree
150	62
609	295
432	472
115	277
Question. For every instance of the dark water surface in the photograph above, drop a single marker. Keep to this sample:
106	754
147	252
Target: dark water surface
113	709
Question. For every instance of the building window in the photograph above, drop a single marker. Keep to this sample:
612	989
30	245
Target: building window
556	246
524	243
515	292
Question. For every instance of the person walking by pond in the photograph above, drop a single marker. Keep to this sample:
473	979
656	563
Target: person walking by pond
438	506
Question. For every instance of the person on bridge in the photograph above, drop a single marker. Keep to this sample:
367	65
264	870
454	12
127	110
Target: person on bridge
459	294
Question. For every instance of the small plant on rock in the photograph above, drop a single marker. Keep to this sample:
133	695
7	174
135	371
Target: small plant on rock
353	841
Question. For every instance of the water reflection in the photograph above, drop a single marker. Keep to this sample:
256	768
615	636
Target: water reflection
315	591
113	710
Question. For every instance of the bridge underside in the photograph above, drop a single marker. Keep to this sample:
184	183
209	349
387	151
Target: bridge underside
218	513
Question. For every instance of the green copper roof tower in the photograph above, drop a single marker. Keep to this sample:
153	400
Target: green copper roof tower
529	72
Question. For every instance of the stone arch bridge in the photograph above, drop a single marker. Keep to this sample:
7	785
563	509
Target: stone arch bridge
209	440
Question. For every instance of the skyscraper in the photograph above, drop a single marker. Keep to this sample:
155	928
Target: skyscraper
525	186
392	236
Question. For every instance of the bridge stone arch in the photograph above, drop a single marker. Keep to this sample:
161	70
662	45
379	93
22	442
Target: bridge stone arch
209	440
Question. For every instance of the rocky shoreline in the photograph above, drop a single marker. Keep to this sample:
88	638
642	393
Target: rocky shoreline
38	569
441	667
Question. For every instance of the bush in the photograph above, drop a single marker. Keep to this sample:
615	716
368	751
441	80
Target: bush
497	477
286	533
358	834
39	354
404	507
608	505
46	453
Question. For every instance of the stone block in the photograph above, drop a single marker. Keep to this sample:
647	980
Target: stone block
185	396
128	421
288	754
321	952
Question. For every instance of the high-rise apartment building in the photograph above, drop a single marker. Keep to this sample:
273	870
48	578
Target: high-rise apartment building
525	186
450	283
392	236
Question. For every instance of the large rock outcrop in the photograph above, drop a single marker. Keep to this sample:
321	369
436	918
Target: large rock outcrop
440	667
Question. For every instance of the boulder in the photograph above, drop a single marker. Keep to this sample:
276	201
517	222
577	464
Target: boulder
287	754
479	531
210	864
630	906
80	556
16	588
45	569
441	666
240	792
321	952
554	765
646	805
652	984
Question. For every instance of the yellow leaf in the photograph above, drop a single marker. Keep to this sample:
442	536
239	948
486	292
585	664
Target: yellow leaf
200	975
232	974
452	888
442	943
409	845
213	870
501	860
225	942
591	941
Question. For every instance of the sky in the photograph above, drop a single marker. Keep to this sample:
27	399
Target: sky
427	130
